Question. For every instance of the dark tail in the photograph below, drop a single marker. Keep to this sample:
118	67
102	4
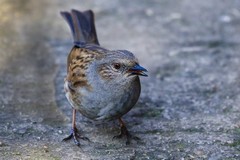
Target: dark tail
82	26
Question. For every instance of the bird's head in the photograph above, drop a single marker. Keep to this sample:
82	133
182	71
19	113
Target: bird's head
120	65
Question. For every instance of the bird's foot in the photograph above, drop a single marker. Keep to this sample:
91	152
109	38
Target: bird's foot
125	132
75	135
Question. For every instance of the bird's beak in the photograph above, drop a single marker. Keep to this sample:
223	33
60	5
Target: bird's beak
138	70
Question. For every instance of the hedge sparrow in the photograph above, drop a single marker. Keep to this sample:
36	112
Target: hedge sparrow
101	84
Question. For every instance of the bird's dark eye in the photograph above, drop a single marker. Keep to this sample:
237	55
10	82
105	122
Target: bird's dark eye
116	65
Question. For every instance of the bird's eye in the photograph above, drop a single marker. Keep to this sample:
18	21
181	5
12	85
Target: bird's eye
117	66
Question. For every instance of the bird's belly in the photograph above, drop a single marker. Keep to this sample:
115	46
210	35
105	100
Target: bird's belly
106	104
103	106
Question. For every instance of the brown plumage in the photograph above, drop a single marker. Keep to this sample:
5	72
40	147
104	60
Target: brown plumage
78	61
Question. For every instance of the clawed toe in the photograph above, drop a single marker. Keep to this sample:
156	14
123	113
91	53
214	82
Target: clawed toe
68	137
117	137
135	138
85	138
128	136
75	135
75	138
125	132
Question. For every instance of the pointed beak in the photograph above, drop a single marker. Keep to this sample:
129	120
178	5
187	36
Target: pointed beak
138	70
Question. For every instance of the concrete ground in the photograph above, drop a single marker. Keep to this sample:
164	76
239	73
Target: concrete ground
190	103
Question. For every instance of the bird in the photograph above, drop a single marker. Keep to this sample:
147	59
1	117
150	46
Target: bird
101	84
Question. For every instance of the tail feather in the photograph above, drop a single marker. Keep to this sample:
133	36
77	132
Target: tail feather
82	26
70	20
93	34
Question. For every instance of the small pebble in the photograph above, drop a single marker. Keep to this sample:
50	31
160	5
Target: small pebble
175	16
225	19
2	144
45	148
17	153
149	12
60	131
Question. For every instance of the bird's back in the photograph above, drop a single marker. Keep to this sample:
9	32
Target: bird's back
86	47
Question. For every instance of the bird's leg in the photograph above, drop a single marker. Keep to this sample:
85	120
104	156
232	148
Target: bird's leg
74	131
125	132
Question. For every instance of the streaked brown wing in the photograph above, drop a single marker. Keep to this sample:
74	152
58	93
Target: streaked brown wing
77	64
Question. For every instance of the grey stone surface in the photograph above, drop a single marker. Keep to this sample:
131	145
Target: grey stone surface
190	103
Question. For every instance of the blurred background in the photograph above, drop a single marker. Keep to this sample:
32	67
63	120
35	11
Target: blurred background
189	105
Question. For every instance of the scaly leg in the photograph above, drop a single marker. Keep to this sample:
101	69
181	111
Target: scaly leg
74	131
125	132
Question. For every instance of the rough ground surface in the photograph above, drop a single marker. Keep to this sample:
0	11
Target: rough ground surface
190	103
